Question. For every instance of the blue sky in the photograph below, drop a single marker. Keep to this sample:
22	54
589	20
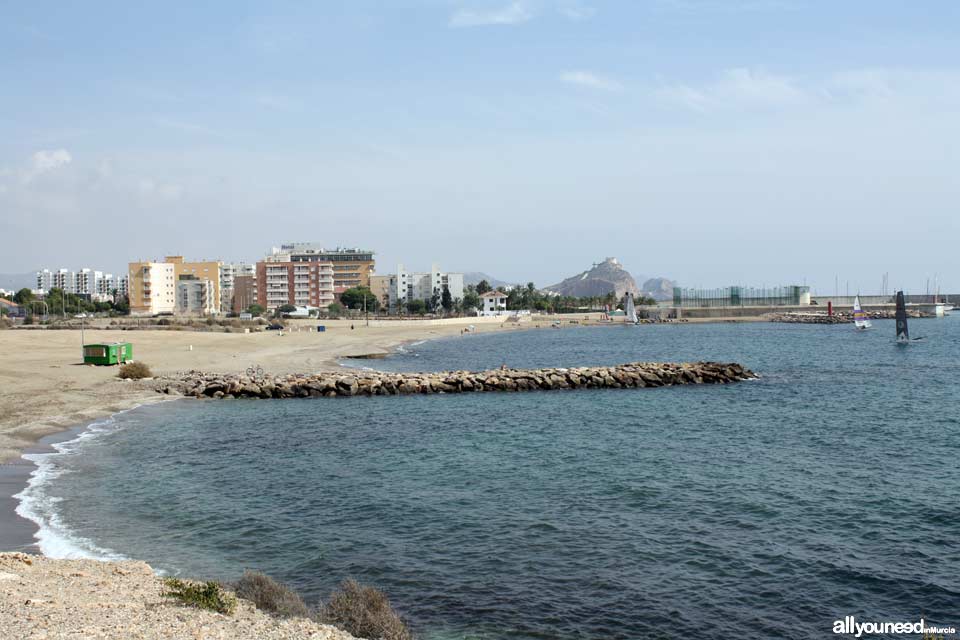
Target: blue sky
757	142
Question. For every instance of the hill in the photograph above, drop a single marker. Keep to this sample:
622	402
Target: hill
658	288
473	277
599	280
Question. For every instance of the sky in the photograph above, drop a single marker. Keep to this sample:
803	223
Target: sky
714	142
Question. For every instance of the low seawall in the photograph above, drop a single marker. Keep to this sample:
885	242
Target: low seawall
373	383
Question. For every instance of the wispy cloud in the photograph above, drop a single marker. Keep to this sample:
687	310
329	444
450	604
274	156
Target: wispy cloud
574	10
590	80
727	6
513	13
278	102
737	88
188	127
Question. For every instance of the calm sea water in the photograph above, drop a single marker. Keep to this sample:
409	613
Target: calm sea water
763	509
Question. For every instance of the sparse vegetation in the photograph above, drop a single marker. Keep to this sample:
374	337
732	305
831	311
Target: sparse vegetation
270	596
364	612
134	371
204	595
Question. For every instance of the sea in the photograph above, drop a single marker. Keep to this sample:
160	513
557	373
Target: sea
764	509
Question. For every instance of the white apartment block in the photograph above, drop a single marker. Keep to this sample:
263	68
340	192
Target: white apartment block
86	282
405	286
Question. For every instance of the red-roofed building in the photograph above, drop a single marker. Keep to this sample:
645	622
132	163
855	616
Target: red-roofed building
11	308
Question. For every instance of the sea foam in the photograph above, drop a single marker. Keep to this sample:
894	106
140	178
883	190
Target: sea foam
54	538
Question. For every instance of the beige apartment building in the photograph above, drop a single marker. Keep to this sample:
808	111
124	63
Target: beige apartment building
153	285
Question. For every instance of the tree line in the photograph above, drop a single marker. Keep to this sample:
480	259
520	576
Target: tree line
527	298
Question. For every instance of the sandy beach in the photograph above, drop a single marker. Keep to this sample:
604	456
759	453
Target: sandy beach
45	388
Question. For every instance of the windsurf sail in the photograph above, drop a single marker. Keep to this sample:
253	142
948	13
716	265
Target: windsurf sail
903	335
860	318
630	310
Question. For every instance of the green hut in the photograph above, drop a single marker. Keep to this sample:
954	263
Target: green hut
107	353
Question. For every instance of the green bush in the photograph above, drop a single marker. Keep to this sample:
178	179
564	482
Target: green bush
135	371
270	596
364	612
204	595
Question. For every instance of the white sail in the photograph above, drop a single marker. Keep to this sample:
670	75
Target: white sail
860	319
629	309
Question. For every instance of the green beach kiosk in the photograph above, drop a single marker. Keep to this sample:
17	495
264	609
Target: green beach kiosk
107	353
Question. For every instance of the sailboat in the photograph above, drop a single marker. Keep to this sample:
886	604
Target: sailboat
860	319
630	310
903	334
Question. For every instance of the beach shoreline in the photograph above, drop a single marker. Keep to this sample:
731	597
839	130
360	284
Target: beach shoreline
49	399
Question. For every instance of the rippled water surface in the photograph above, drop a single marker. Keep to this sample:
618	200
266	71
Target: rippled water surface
762	509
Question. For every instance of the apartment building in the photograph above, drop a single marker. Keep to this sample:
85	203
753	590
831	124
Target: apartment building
405	286
64	279
91	283
195	296
153	285
282	280
229	272
152	288
380	288
107	283
351	267
244	292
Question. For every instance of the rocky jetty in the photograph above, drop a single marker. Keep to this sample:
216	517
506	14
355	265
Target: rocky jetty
840	317
374	383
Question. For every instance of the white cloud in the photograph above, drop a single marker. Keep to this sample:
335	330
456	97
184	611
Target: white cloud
738	89
513	13
590	80
44	161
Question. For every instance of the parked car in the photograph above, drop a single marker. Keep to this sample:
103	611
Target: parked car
274	327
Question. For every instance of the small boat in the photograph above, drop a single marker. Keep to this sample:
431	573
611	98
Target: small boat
903	334
860	319
630	310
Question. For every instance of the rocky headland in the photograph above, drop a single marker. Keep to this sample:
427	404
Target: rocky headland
633	375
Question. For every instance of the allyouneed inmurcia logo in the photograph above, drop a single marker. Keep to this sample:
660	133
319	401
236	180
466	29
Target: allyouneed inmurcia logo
850	626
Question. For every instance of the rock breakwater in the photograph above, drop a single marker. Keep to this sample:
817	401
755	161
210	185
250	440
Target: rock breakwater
840	317
633	375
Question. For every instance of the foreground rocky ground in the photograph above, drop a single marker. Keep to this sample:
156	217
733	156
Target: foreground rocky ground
81	599
370	383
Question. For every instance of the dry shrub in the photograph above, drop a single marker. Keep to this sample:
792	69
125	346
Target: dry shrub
270	596
364	612
135	371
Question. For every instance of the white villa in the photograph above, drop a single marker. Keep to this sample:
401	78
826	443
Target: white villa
493	303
